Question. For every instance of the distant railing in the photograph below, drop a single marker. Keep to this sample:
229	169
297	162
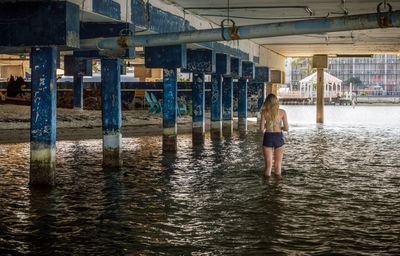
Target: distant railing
297	94
379	94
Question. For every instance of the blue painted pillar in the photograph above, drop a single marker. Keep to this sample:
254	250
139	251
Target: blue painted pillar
199	62
111	112
198	106
260	88
77	67
223	67
43	116
169	110
78	92
216	106
261	77
227	100
169	58
242	106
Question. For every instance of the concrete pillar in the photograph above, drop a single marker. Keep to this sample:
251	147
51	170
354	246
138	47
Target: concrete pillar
320	62
111	112
224	65
216	106
275	89
227	109
169	110
169	58
242	106
78	92
43	116
198	107
199	62
320	95
261	77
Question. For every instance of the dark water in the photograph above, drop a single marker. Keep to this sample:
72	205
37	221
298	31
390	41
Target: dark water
340	195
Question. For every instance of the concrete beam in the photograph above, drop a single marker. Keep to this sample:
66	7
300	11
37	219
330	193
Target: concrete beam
200	61
261	74
107	8
236	67
223	64
73	65
170	57
39	23
248	70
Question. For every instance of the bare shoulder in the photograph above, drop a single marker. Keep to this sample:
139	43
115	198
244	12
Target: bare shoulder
282	112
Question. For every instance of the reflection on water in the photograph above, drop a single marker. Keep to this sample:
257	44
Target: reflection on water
340	195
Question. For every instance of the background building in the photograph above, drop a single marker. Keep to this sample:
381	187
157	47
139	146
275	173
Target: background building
380	73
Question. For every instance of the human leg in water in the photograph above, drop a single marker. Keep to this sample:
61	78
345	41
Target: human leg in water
268	152
278	155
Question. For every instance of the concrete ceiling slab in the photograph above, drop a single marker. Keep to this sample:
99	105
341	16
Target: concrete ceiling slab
258	11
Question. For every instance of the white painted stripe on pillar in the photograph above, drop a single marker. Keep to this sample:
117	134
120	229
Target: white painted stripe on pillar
216	124
112	141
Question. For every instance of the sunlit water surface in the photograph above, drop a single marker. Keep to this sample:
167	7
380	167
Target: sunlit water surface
340	194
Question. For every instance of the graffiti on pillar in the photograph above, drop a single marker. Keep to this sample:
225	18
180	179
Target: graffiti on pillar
255	96
169	102
200	61
198	97
227	98
216	97
242	98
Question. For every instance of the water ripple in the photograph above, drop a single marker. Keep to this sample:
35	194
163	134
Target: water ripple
340	195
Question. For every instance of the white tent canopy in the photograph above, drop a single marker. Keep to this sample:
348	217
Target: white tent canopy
332	85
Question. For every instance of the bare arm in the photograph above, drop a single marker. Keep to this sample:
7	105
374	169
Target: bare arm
262	124
285	122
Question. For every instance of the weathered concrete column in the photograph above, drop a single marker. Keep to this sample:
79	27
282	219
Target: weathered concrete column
199	61
170	127
216	106
277	77
261	78
242	106
320	62
43	116
78	92
223	67
111	112
320	96
248	73
198	107
77	67
169	58
227	100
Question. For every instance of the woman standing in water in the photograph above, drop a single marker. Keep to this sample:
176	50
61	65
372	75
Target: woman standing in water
273	122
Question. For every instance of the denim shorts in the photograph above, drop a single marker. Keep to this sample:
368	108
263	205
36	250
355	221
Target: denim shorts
273	139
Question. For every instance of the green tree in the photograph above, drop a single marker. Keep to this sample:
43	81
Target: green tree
354	80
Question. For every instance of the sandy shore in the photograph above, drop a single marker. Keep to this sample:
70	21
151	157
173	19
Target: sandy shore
72	125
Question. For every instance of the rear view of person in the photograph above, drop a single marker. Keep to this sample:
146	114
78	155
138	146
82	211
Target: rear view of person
273	122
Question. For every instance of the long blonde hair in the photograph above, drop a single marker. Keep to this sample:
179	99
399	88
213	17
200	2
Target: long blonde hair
270	108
